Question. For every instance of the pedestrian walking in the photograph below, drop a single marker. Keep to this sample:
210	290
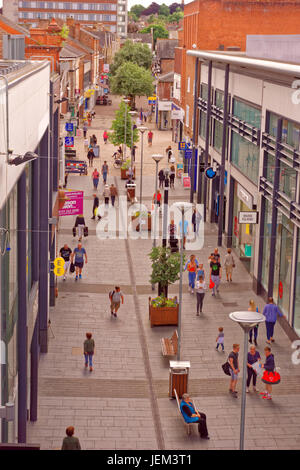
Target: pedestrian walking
253	356
95	207
150	138
70	442
220	339
271	312
89	119
183	232
84	128
172	229
77	258
113	194
106	195
168	152
94	140
104	171
229	264
215	274
91	156
88	351
172	176
65	252
157	199
192	415
200	292
95	178
233	360
192	266
115	297
105	136
133	150
86	145
254	330
161	178
215	255
196	219
270	377
200	272
66	180
79	224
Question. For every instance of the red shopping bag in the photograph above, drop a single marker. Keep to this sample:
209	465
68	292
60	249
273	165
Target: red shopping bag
211	284
271	378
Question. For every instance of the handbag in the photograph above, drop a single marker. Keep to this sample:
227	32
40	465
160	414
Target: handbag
271	378
85	231
211	284
72	268
226	368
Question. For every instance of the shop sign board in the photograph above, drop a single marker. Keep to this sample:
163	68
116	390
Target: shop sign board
73	203
244	196
181	145
164	106
106	68
210	173
69	141
69	127
186	181
248	217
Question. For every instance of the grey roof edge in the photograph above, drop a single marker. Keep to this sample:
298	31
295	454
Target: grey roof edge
238	59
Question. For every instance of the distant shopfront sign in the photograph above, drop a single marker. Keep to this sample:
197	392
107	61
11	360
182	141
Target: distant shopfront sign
246	217
164	105
244	196
106	68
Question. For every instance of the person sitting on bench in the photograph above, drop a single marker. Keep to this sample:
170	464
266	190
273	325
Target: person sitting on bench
191	415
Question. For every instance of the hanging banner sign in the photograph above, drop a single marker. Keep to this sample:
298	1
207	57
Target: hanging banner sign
73	204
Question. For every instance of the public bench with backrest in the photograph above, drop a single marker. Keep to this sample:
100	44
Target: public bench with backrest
188	426
169	345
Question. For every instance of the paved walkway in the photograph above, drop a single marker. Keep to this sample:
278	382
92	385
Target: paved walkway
123	403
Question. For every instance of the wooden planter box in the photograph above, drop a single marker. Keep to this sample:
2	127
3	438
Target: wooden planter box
144	225
124	175
159	316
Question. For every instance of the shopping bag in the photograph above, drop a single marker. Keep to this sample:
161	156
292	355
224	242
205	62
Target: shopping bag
271	378
85	231
72	268
211	284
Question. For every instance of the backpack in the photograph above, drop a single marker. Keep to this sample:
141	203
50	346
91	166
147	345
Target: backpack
110	295
226	368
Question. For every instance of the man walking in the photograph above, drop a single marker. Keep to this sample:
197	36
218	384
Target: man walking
233	360
79	254
91	156
115	297
85	128
150	137
65	252
271	312
104	171
215	274
88	350
95	207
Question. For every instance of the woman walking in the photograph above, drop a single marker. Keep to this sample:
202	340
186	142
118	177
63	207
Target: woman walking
89	347
172	176
200	292
105	136
106	195
253	356
254	330
229	265
113	194
95	178
191	266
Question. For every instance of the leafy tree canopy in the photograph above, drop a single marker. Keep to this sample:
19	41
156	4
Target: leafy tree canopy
116	137
132	80
137	10
159	31
164	10
152	9
138	53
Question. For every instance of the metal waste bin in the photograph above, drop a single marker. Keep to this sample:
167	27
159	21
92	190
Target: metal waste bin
178	379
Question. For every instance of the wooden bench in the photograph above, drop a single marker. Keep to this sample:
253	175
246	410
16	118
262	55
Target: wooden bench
169	346
188	426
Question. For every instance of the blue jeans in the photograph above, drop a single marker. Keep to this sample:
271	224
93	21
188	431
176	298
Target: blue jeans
255	332
216	280
95	181
222	345
192	278
88	359
270	329
104	177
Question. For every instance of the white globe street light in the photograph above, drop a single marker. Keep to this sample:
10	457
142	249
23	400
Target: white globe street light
246	320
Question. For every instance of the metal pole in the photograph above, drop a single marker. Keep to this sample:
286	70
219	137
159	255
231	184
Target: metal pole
155	206
207	136
193	173
222	169
7	117
125	131
166	204
180	287
243	404
141	179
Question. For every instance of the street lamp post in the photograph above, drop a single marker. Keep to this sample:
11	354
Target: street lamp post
142	130
165	208
132	114
183	207
246	320
157	158
126	101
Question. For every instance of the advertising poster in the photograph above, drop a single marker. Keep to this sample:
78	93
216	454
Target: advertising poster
73	203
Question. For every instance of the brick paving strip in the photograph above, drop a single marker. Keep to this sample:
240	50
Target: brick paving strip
143	344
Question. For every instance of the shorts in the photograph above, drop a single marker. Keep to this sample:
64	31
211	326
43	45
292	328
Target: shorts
233	375
78	264
228	269
115	305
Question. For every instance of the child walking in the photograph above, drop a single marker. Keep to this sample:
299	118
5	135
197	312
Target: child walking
220	339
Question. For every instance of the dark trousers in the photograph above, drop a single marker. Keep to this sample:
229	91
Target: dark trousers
113	200
106	201
251	375
202	428
270	329
161	183
200	298
253	331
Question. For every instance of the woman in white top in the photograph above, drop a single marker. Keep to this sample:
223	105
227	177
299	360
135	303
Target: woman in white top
200	292
229	264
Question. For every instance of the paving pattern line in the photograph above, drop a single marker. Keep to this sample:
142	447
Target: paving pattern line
143	343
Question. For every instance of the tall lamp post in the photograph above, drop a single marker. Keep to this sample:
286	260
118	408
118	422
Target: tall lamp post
132	114
157	158
183	207
166	203
142	130
246	320
126	101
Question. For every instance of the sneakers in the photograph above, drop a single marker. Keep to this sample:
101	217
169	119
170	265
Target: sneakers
197	314
85	365
192	291
267	397
255	389
247	390
91	369
115	315
80	277
76	278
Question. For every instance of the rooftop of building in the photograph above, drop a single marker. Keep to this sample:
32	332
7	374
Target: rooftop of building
140	37
165	48
16	69
15	26
166	77
70	52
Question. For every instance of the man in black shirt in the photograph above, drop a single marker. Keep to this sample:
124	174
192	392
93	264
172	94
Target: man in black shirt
233	360
215	273
65	252
95	206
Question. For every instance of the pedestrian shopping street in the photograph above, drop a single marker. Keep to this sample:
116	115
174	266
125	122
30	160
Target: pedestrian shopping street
124	403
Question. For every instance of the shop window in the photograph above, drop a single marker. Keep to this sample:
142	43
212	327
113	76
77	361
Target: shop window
245	156
266	244
287	180
247	113
296	323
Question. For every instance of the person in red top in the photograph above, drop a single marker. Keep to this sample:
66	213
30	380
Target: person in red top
150	137
105	136
157	198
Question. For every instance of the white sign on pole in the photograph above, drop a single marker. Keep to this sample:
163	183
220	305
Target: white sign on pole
248	217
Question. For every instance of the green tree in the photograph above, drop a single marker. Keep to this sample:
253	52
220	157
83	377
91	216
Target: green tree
176	16
164	10
116	137
133	17
137	53
165	268
159	31
132	80
137	10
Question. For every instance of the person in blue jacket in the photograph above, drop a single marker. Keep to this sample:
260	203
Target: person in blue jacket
271	312
191	415
269	366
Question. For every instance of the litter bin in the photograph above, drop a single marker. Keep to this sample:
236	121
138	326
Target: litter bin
179	375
